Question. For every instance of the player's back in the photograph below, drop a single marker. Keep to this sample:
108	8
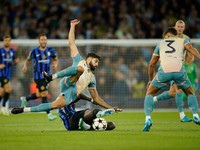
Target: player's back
171	54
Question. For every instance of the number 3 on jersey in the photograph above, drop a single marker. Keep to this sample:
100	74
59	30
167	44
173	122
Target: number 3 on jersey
172	49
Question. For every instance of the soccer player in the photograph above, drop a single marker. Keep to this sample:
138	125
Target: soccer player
170	51
43	58
8	57
180	27
82	119
75	80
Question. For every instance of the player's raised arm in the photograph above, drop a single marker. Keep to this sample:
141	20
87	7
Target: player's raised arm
72	45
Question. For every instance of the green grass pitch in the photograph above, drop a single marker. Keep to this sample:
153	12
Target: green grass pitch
35	132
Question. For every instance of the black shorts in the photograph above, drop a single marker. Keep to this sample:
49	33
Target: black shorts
74	120
3	81
41	85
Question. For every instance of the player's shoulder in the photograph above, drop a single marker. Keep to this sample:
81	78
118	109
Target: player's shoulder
186	37
50	48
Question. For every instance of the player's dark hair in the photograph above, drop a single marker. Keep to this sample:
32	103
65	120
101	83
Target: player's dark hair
6	36
93	55
171	30
41	34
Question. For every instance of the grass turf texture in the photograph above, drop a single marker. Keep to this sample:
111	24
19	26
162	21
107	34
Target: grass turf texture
36	132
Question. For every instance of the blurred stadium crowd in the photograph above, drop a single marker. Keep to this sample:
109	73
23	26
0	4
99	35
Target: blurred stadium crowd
101	19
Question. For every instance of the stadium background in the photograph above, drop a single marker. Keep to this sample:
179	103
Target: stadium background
122	75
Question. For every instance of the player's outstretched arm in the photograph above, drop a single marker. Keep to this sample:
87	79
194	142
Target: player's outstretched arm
72	45
99	101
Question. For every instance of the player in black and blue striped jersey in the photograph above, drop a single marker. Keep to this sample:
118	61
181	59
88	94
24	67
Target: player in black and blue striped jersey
82	119
43	59
8	57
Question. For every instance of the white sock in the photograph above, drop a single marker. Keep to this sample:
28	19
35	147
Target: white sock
54	76
196	115
182	115
155	99
27	109
83	126
147	118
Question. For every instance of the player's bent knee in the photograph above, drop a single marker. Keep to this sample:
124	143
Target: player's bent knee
58	103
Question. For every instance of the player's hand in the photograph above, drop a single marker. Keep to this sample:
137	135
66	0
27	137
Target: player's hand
2	66
48	78
75	22
117	109
24	69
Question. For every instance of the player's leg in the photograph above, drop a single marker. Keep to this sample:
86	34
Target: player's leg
158	82
41	86
44	100
58	103
7	88
1	97
67	96
75	72
149	106
180	105
183	83
193	104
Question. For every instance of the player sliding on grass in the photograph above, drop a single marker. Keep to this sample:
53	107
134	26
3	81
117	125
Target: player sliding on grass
75	80
82	119
170	53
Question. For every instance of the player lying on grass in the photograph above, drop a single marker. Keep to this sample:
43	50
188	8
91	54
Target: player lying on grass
75	80
82	120
170	52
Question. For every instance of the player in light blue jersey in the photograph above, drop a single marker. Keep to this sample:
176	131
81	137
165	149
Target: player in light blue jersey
180	27
170	51
75	80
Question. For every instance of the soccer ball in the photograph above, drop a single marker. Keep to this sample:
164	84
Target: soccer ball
99	124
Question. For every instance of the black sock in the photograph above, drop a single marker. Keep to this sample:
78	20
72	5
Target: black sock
5	99
31	97
0	99
44	100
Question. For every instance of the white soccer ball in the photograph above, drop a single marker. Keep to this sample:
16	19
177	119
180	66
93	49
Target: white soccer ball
99	124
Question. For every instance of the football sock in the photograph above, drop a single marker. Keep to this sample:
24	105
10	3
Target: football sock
0	98
31	97
44	100
193	104
5	99
147	118
182	115
148	105
163	96
179	102
66	72
41	107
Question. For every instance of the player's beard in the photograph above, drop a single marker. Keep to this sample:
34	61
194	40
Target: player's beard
92	67
7	45
43	46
